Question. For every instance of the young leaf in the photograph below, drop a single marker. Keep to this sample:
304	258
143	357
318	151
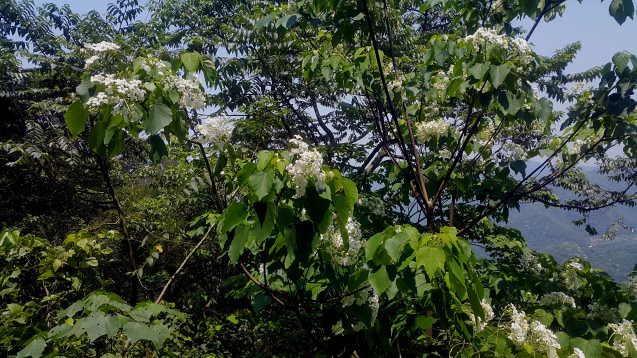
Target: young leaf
261	183
76	117
431	258
191	60
380	280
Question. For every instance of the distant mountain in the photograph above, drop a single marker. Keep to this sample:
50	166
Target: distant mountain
551	230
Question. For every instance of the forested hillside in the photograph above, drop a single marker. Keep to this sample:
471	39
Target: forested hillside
210	178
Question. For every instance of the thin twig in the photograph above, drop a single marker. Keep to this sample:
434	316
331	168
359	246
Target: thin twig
183	263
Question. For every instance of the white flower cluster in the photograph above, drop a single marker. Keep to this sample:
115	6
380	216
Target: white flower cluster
191	94
569	276
478	322
531	263
557	299
574	265
577	353
365	297
336	247
599	312
623	334
519	326
118	93
307	165
97	51
512	151
535	334
216	130
484	38
542	338
432	129
579	146
102	46
395	85
154	66
441	82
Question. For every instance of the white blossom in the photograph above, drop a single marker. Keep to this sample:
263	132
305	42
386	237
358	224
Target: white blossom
577	353
98	52
216	130
518	48
191	94
577	266
542	338
535	334
118	92
336	246
365	297
519	327
306	165
445	153
623	334
431	129
478	322
600	312
557	299
530	262
513	151
103	46
153	66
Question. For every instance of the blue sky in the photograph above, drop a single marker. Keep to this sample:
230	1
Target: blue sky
588	22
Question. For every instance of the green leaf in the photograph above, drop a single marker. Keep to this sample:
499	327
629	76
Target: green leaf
136	331
499	74
234	215
191	60
424	322
261	183
380	280
96	325
159	117
621	9
545	112
264	21
33	349
395	244
238	243
621	59
84	89
158	148
351	192
222	160
372	245
259	302
431	258
479	70
591	348
76	117
318	209
289	20
57	263
263	159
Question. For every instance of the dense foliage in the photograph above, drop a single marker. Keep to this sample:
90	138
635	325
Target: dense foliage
354	155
